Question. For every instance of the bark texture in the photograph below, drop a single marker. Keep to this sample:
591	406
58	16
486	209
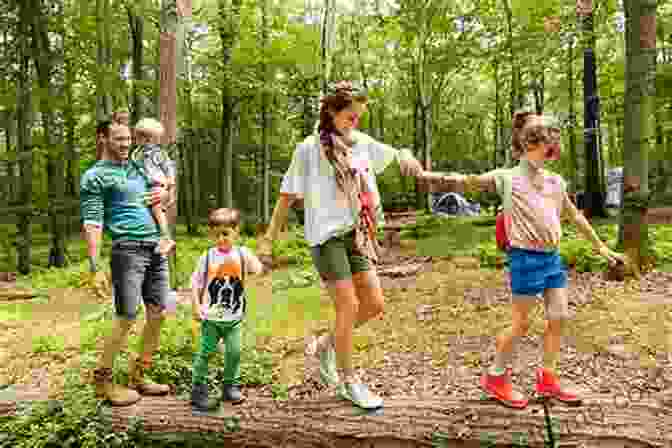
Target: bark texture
402	423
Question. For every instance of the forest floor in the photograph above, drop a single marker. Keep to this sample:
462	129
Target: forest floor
435	338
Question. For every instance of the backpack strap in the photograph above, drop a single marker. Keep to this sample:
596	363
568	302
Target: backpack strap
242	265
205	274
504	186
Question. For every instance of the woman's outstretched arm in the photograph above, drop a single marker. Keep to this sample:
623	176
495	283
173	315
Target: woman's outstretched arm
278	221
383	155
458	183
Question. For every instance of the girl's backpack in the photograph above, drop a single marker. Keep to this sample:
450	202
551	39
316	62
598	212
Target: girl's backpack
500	232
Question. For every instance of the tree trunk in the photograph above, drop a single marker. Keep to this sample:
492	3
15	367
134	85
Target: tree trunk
427	122
381	119
639	134
401	423
136	25
515	102
71	147
229	11
308	116
420	196
265	119
195	171
613	155
172	13
538	92
327	40
44	60
574	158
190	157
225	191
103	96
24	139
499	147
594	188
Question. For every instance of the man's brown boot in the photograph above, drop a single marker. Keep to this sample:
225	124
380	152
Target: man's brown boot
117	395
138	381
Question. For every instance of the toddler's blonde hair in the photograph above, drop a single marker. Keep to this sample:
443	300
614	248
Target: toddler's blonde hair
150	127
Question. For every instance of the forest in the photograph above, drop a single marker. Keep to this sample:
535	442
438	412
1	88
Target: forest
236	84
444	78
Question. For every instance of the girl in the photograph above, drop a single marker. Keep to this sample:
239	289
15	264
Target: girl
333	172
533	200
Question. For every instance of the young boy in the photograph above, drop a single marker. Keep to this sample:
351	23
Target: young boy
159	168
218	302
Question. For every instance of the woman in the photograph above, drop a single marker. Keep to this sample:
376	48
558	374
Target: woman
334	173
534	201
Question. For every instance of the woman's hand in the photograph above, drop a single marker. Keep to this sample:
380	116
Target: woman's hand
408	164
265	252
410	167
196	312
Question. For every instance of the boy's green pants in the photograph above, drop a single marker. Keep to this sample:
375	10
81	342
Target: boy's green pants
211	333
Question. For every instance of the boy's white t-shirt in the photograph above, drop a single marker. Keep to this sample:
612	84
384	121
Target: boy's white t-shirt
224	278
310	176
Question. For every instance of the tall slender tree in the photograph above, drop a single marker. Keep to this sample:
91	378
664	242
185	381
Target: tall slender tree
639	131
136	25
594	188
265	116
24	137
44	59
172	14
104	59
229	29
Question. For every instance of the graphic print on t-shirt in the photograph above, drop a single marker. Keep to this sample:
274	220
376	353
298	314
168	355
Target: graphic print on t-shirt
226	295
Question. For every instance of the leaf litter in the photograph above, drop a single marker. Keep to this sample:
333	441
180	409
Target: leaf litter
435	338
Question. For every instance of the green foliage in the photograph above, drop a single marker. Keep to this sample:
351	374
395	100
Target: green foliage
476	237
48	344
78	421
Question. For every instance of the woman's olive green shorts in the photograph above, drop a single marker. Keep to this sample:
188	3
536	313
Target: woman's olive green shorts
336	259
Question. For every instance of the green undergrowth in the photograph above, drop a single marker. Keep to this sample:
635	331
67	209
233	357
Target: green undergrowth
475	237
293	250
80	420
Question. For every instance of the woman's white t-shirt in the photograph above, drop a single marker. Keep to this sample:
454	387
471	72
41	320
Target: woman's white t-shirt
311	177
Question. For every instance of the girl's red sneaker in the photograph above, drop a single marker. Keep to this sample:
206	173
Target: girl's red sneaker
500	388
549	386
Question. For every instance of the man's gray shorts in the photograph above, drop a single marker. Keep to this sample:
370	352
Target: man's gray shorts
138	270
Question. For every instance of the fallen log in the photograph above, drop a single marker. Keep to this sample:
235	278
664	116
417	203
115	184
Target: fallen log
401	423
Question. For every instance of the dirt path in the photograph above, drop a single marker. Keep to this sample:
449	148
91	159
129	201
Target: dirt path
437	335
41	339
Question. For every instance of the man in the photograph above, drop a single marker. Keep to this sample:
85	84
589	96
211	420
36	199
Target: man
116	195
